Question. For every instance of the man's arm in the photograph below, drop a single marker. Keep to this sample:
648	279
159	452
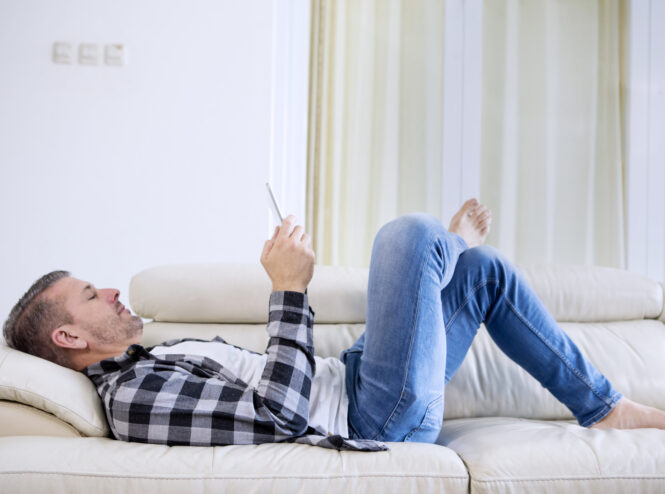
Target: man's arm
193	401
181	403
287	376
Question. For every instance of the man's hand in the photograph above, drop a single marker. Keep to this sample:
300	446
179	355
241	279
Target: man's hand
289	259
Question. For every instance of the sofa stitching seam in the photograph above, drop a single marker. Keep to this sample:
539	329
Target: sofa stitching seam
224	477
559	479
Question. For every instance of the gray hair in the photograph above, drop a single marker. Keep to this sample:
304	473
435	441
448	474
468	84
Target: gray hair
32	319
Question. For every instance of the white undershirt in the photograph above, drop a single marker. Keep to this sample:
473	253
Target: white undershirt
328	401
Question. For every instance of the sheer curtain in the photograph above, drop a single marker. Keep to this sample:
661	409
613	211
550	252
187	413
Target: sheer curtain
551	168
375	122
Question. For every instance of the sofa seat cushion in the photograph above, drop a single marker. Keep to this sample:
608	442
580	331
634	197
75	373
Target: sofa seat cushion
518	455
68	465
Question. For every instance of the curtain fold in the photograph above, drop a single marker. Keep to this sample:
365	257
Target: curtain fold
375	121
552	171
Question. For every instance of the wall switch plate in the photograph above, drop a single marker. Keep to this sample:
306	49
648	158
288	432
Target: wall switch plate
115	54
88	54
63	52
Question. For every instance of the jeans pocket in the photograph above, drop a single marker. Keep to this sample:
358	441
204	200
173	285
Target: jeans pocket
430	426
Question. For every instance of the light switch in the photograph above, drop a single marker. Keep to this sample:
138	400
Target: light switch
63	52
115	54
88	54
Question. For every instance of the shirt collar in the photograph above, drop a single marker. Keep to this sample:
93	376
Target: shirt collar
133	354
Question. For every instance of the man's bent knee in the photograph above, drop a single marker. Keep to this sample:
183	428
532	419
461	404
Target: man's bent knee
411	226
485	257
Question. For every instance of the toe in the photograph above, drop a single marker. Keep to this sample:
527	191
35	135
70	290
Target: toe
470	204
482	215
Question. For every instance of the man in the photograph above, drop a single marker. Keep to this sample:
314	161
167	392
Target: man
429	290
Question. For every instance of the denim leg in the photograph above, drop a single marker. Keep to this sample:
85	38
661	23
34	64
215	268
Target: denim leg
395	373
487	288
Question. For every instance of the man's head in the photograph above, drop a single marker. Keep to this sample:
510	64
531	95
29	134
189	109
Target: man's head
70	322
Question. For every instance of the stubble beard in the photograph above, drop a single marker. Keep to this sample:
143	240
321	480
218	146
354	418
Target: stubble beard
116	330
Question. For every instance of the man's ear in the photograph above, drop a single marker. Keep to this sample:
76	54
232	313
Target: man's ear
67	336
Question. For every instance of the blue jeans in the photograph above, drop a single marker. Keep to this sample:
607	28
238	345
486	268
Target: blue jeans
428	294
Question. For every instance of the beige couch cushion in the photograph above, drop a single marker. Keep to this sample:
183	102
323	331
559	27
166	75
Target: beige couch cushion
62	392
236	293
231	293
593	293
630	353
31	464
507	455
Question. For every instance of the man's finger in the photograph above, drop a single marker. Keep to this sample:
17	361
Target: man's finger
297	232
266	248
285	229
274	235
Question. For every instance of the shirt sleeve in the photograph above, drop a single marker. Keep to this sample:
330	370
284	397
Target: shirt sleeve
179	406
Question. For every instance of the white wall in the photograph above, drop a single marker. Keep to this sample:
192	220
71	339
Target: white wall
104	170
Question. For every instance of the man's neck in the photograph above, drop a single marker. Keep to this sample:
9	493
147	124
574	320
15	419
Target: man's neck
94	355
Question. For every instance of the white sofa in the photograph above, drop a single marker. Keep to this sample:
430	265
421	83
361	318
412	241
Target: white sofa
502	432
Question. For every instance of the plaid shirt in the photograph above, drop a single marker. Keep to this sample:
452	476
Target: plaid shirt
194	400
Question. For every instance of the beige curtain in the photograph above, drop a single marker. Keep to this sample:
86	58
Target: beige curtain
376	120
551	138
551	127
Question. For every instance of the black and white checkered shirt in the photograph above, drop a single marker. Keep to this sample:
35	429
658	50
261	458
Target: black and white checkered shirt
193	400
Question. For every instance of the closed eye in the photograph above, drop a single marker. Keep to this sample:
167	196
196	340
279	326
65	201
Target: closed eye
94	295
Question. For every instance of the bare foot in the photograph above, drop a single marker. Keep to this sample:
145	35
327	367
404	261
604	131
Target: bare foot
627	414
472	223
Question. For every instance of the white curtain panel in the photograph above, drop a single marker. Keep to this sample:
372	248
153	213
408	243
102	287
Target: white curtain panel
551	166
375	122
551	134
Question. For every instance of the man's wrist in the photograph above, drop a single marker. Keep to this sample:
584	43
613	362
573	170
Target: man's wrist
289	288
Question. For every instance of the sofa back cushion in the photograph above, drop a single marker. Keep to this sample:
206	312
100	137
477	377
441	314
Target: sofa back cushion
629	353
238	293
232	293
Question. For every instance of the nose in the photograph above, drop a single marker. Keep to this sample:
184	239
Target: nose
111	295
